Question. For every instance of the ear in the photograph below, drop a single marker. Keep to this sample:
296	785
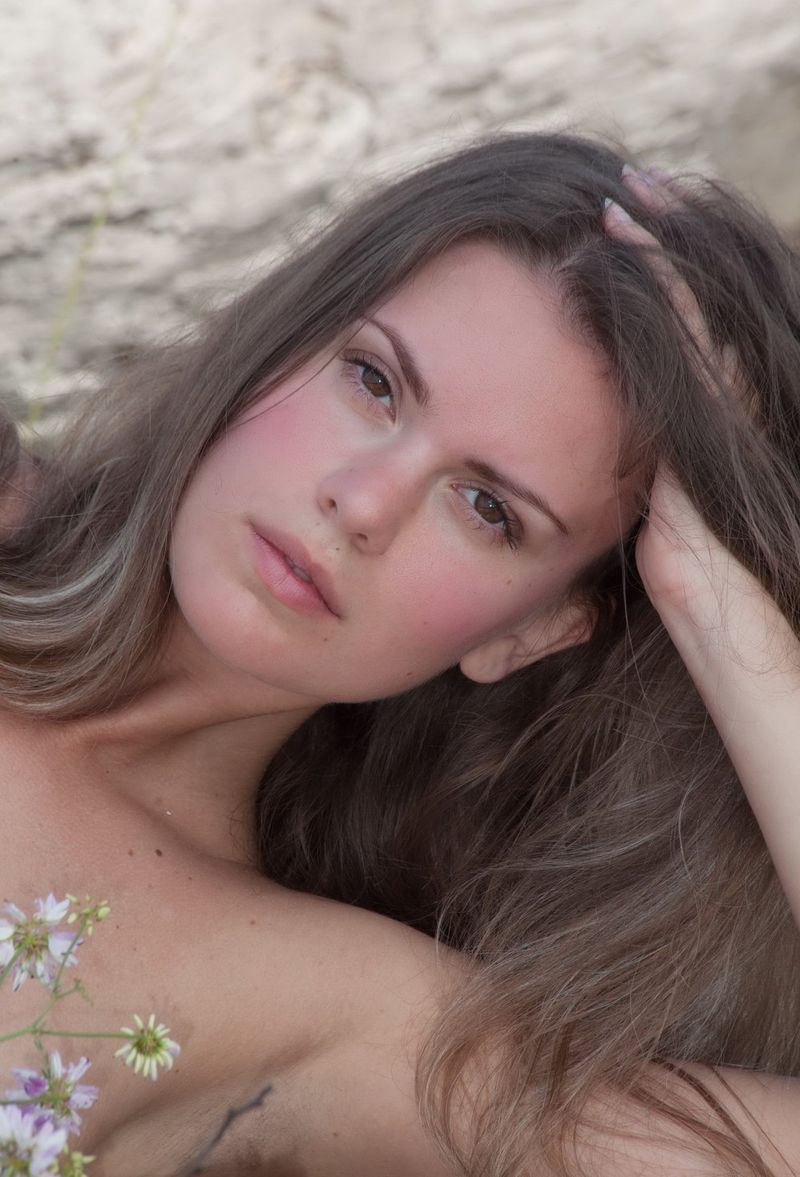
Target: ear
535	638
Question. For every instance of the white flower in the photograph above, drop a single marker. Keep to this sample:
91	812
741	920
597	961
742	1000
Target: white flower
148	1048
28	1147
35	945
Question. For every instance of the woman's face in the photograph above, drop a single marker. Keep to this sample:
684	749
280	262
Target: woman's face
440	476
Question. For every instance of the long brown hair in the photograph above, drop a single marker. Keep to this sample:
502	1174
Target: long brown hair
577	829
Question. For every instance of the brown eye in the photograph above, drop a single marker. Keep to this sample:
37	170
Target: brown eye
374	381
488	507
493	513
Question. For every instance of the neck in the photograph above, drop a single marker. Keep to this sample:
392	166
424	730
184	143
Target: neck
190	749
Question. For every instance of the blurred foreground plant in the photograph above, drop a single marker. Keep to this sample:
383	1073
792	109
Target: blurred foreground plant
38	1117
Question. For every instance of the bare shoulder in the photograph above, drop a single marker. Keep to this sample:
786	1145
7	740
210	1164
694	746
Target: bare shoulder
328	1004
339	967
623	1139
767	1109
352	996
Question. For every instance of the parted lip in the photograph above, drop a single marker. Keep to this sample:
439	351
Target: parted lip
294	551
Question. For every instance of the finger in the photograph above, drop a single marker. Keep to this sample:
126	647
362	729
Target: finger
723	373
620	225
651	193
653	187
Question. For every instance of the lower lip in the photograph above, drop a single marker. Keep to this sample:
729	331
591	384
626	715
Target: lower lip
286	586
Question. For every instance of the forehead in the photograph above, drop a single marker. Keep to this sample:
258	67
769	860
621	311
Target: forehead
510	379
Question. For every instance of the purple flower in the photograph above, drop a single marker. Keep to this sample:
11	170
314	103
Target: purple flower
27	1147
55	1092
35	945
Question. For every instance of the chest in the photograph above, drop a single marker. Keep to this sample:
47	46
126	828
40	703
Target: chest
172	945
61	835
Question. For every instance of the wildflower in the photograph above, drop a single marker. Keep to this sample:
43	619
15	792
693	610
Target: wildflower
35	946
28	1148
90	914
75	1165
56	1091
148	1047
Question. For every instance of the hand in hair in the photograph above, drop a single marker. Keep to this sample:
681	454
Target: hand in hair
740	650
686	570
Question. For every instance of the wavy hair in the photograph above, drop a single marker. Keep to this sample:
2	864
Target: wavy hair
576	829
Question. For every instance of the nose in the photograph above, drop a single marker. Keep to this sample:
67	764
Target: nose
370	500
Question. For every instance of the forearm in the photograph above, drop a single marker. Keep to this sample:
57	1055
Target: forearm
748	674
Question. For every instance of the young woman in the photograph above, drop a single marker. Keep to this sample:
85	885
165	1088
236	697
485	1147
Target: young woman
410	466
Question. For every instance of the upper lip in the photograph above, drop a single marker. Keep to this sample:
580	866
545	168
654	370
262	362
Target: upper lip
297	555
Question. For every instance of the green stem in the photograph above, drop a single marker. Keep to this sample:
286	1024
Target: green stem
56	997
17	1033
82	1034
65	958
36	1029
39	1032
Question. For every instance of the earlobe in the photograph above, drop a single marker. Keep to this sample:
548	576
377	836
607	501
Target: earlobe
498	657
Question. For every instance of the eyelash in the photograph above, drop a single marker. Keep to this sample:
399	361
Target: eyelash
355	360
510	530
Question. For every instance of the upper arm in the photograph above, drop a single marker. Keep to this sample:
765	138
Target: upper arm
623	1139
767	1109
329	1004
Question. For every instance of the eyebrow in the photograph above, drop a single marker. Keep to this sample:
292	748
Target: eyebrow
421	392
410	368
502	482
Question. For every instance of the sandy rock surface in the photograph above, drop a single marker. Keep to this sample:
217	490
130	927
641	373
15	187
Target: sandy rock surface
156	154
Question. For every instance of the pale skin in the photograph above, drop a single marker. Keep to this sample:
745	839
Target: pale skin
152	804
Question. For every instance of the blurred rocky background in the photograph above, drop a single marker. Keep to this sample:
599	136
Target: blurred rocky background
155	154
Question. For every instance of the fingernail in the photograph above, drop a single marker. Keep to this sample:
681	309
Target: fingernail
659	175
636	174
613	209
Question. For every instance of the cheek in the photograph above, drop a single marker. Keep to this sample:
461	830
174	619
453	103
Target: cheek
274	436
445	618
289	437
454	611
